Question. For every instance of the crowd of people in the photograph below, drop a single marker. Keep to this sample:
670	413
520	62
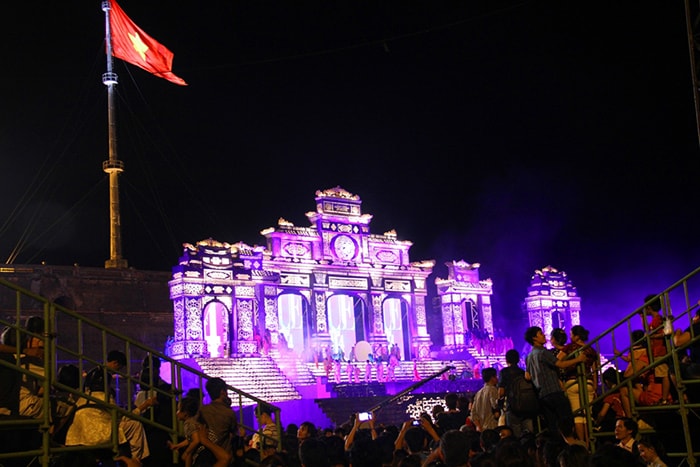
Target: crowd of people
498	426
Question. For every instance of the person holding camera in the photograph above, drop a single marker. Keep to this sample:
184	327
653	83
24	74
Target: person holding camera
361	443
415	437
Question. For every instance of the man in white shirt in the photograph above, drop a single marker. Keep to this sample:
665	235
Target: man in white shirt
485	411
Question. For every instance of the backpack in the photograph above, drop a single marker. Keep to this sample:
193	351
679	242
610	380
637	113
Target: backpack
522	397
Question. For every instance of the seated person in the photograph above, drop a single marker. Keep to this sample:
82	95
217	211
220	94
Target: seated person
31	401
63	403
690	368
646	390
612	408
92	422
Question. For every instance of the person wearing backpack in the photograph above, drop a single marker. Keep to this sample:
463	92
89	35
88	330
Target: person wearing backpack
517	396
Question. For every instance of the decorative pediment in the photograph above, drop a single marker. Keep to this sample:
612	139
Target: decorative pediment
336	192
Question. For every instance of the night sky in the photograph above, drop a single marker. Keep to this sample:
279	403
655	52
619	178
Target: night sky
512	134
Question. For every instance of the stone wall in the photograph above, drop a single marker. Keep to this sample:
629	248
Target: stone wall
133	303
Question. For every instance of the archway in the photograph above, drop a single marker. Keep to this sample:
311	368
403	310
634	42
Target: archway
471	312
397	325
293	321
216	332
342	323
559	319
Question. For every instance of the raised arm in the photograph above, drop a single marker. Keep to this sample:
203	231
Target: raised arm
351	436
571	362
398	444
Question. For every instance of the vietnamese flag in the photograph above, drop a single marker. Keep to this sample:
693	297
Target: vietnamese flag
132	45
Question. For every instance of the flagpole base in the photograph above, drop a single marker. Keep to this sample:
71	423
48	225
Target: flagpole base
119	263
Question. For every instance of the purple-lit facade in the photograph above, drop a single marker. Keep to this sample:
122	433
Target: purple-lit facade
322	288
465	303
552	301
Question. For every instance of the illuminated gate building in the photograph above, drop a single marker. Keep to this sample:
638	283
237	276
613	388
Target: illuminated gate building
465	305
552	301
318	289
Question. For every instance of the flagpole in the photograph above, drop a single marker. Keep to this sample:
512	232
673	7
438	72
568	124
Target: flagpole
113	166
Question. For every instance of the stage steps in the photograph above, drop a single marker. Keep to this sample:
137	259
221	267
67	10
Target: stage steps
294	368
257	376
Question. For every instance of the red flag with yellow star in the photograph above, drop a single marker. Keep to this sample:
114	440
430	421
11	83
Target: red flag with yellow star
132	45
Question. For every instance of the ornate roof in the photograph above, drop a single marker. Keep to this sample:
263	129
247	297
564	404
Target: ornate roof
336	192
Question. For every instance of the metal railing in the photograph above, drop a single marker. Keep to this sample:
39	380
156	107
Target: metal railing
679	303
64	339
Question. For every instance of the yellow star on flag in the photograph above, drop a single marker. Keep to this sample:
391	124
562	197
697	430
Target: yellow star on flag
138	45
131	44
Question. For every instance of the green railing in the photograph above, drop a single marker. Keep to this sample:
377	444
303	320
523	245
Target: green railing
65	339
679	303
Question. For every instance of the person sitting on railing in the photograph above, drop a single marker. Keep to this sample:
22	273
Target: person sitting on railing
655	331
645	390
690	369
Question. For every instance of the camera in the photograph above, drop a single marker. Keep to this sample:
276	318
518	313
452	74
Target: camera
364	416
415	423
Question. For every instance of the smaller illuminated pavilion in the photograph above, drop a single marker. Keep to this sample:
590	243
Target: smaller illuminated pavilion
322	288
465	303
552	301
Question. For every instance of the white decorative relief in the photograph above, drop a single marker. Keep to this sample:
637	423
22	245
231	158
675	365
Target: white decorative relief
298	280
348	283
397	286
245	291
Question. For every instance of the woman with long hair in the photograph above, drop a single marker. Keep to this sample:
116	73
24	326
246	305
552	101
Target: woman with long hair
572	377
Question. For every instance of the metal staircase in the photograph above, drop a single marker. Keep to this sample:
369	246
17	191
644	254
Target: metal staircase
672	423
65	337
